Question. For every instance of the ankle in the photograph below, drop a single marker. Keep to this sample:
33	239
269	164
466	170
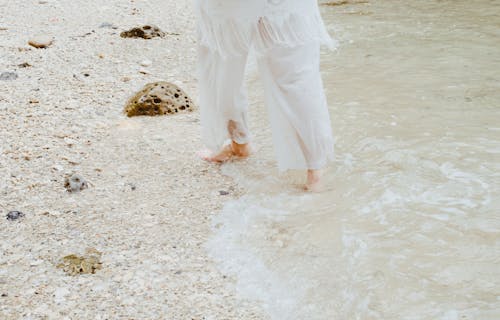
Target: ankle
313	175
240	149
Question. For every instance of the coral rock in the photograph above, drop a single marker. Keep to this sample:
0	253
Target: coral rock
87	264
145	32
159	98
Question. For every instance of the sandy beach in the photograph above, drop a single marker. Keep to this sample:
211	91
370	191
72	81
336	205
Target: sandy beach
150	199
407	227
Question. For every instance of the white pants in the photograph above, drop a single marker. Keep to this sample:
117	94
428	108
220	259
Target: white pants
294	96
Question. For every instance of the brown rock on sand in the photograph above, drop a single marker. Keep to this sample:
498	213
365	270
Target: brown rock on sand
159	98
42	41
145	32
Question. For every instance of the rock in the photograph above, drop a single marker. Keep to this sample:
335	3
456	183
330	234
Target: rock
223	193
8	76
159	98
146	63
145	32
75	183
42	41
87	264
14	215
132	186
24	65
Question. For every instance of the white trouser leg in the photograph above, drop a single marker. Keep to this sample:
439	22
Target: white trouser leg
297	106
223	100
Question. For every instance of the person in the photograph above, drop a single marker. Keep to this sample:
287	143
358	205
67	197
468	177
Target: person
286	36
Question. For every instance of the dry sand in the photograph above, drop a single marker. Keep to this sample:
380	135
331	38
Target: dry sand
150	202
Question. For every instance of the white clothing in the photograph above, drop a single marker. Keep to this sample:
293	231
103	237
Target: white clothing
229	26
289	66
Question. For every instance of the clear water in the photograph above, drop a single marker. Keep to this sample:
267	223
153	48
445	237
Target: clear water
409	227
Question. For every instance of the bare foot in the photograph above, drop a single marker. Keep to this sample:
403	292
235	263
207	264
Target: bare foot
229	152
314	181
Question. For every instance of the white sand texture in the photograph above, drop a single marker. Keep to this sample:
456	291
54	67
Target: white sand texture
150	199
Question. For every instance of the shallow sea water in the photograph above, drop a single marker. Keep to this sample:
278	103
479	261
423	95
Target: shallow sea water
409	226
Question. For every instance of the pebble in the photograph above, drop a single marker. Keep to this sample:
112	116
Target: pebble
14	215
75	183
8	76
146	63
132	186
223	193
42	41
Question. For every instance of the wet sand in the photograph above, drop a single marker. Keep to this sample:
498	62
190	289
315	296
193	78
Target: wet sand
408	227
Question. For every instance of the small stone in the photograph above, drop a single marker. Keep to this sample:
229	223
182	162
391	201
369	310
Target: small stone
145	32
132	186
34	101
42	1
5	295
24	65
146	63
75	183
126	79
101	56
42	41
223	193
8	76
14	215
